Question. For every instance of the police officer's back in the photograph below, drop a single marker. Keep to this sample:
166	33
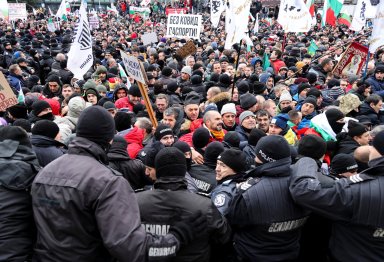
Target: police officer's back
265	220
170	202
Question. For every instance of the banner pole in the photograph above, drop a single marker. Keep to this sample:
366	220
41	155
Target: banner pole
236	67
366	64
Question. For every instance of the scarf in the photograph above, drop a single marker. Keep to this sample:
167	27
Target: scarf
218	135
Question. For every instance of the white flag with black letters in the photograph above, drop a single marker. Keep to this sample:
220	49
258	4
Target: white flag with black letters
294	16
80	57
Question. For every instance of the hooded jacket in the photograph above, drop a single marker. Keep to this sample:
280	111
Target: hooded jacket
47	149
117	88
367	110
86	211
19	166
132	169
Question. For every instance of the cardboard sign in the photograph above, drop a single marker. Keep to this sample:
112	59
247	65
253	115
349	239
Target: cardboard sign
352	61
184	26
149	38
7	97
188	49
133	67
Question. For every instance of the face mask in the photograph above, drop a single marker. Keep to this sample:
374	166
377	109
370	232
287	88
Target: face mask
337	127
189	163
48	116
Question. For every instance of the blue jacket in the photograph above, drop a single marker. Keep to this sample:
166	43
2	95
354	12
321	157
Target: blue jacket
377	86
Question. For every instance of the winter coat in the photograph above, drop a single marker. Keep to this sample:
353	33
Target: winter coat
132	169
169	203
19	166
86	211
346	144
135	141
266	219
204	177
46	149
367	110
377	86
354	204
16	82
321	74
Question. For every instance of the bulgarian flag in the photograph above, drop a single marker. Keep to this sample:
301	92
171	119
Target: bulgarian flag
344	19
331	11
311	7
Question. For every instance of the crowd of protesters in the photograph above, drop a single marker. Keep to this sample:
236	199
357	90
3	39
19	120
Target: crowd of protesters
251	160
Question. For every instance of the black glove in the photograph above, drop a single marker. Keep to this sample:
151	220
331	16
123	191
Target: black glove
188	230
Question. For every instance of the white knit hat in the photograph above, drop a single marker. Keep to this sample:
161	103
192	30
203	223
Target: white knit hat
285	96
228	108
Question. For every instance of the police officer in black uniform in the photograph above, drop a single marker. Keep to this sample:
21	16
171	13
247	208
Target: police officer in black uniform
266	222
170	202
355	204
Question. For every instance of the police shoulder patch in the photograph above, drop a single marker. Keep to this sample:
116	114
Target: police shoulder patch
356	178
219	200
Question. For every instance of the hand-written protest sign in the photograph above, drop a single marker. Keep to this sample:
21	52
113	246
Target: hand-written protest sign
94	22
184	26
352	60
149	38
187	49
133	67
7	97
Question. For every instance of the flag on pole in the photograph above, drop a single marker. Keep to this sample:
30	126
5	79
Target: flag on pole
256	27
236	22
80	57
294	16
311	7
50	25
312	48
266	62
217	7
50	11
331	11
62	11
344	19
377	36
112	9
363	10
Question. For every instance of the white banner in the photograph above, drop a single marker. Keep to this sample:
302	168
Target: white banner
236	22
363	10
133	67
17	11
377	36
294	16
184	26
80	57
217	7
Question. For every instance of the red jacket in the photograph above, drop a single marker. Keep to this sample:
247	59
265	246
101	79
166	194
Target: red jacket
135	141
276	65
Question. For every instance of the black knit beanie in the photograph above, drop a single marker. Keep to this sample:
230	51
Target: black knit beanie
122	121
96	124
232	138
342	163
45	128
255	136
200	137
161	131
152	152
39	106
18	111
182	146
356	128
15	133
170	162
234	158
266	149
312	146
213	150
